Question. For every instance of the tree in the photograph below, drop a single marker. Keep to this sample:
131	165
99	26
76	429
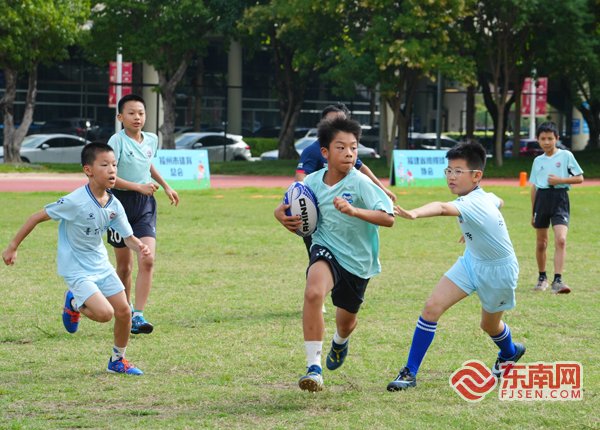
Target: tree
166	35
33	32
569	51
396	43
502	27
301	35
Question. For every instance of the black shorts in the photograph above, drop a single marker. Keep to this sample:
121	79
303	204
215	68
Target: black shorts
141	214
308	244
551	204
348	290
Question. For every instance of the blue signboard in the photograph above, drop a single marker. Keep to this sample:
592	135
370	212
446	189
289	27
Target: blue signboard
422	168
575	126
183	169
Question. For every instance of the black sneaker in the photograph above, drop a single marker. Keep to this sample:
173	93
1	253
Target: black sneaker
497	370
404	380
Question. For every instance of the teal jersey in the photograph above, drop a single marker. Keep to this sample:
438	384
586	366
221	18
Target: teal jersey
561	164
82	223
483	226
134	159
353	242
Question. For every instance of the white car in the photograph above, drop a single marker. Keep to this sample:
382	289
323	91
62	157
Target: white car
309	139
215	144
51	148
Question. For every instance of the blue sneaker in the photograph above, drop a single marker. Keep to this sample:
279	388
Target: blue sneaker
337	355
313	380
404	380
140	325
69	316
123	366
497	370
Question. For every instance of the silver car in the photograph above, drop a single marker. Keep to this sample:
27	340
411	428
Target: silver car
216	144
309	139
51	148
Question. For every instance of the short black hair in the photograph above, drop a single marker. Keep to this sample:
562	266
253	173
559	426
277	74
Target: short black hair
546	127
130	98
327	129
90	152
470	150
338	107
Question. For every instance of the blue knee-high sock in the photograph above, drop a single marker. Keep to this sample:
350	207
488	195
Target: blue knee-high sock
424	333
505	343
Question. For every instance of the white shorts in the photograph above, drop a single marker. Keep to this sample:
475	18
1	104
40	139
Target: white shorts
494	280
107	283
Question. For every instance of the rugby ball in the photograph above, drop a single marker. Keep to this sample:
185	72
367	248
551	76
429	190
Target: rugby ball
303	203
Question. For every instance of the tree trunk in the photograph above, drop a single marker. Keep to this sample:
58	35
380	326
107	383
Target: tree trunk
517	132
395	103
137	78
198	87
592	117
13	138
471	111
499	137
373	105
290	95
383	124
167	92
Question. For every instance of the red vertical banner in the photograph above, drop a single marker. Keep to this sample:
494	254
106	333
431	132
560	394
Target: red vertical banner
126	78
541	97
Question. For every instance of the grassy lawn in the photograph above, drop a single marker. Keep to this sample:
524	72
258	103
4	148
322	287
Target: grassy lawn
227	350
588	160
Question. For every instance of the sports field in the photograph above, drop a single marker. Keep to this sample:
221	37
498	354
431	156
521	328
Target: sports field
227	350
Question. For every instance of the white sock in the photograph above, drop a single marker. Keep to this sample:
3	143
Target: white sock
74	305
138	313
340	340
313	352
118	353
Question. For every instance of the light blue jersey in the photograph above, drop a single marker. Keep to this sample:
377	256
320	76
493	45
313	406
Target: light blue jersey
561	164
83	222
134	159
483	226
354	242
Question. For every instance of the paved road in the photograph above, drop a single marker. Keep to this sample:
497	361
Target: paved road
67	182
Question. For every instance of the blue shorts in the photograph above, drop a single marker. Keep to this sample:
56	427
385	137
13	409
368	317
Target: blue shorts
107	283
494	280
141	214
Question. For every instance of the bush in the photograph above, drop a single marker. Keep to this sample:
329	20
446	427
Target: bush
258	145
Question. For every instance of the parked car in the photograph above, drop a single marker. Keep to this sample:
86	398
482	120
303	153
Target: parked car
236	148
370	136
50	148
82	127
309	139
428	141
273	132
529	148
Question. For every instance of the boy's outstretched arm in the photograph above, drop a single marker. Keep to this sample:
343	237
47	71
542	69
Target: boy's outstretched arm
375	217
9	255
429	210
137	245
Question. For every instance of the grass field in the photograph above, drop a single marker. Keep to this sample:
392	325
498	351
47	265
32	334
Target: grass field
227	350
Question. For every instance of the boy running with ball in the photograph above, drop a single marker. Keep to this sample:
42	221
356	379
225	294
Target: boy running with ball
488	265
345	247
94	289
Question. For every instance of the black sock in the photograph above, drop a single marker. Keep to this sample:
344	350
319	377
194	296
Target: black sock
557	277
543	276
